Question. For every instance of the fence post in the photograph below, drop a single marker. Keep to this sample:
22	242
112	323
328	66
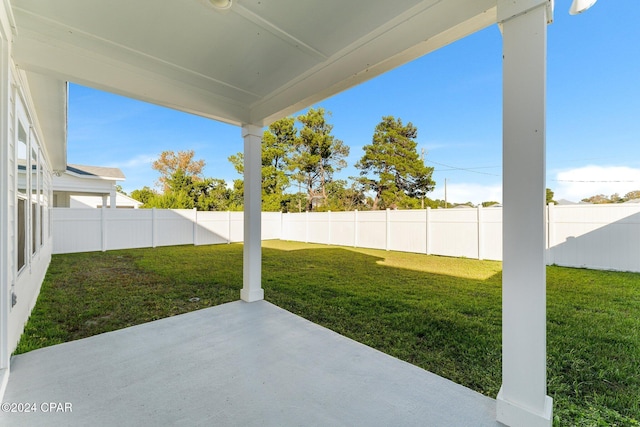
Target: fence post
228	227
286	220
355	228
306	225
428	231
551	232
153	227
480	233
329	239
195	226
103	229
388	228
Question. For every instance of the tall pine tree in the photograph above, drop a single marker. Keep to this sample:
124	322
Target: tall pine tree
392	168
317	156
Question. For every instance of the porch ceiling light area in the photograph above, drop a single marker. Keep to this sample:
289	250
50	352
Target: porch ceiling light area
221	4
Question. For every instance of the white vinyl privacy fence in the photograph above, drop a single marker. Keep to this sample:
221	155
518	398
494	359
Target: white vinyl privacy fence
591	236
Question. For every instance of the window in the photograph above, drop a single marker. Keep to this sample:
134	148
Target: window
22	163
41	199
34	199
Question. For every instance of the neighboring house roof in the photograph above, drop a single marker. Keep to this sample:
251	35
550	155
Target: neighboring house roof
87	179
128	200
633	201
100	172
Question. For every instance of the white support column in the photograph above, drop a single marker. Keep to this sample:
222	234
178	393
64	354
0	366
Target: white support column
522	400
252	261
112	199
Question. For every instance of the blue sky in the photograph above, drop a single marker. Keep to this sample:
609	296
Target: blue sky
453	96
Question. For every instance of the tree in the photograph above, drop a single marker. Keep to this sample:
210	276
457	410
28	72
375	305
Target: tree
615	198
597	199
317	156
277	145
171	200
343	198
392	168
489	203
549	197
211	195
631	195
169	162
143	195
120	190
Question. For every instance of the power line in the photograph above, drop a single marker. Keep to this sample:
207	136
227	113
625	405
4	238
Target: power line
466	169
594	181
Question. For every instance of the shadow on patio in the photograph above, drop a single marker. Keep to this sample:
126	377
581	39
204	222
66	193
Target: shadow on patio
238	364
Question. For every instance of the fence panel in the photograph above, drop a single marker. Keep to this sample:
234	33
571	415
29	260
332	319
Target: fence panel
454	232
128	228
372	230
76	230
236	227
294	227
319	227
343	228
213	228
173	226
491	232
595	236
408	231
271	225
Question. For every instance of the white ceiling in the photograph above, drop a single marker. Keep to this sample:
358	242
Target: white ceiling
254	63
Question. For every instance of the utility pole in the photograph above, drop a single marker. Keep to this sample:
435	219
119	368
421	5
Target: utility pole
445	193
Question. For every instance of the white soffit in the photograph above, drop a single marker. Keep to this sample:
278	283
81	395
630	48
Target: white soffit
253	63
49	97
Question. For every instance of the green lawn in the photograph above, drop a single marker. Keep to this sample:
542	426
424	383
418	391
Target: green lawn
442	314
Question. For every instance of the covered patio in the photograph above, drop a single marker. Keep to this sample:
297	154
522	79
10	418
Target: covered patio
236	364
248	63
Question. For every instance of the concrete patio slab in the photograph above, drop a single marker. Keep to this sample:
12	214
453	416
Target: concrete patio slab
238	364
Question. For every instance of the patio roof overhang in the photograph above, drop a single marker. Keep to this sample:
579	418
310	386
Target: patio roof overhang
253	63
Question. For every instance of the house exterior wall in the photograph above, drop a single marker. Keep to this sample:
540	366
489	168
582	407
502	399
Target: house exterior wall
25	187
95	201
6	220
75	184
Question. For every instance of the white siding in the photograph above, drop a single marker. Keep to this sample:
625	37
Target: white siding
26	284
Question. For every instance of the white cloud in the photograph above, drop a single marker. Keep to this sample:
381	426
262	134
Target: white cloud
140	160
468	192
580	183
